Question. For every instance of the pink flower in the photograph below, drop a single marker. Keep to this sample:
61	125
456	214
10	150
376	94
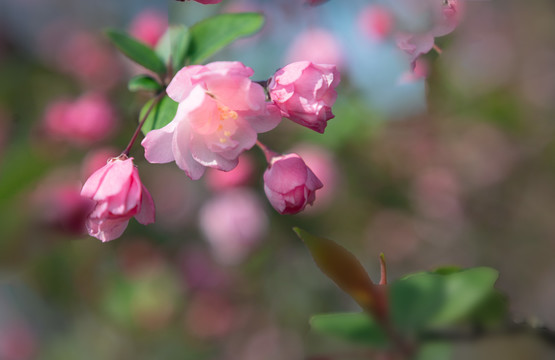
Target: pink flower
119	196
305	93
444	19
83	121
242	174
289	184
149	26
317	45
219	115
233	223
376	22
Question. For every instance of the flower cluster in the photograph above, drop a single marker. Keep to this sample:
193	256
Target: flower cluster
221	111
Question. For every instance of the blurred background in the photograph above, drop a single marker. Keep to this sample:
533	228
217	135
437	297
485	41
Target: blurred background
452	163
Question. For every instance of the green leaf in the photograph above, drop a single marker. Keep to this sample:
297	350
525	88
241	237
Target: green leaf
464	292
359	328
174	44
213	34
435	351
343	268
415	300
160	115
432	300
137	51
143	83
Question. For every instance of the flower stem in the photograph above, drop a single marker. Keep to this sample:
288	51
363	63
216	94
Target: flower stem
142	122
269	154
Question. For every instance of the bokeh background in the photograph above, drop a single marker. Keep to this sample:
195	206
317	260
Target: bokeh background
457	167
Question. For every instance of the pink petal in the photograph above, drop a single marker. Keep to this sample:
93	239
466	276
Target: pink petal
147	213
181	150
112	183
93	182
157	143
108	229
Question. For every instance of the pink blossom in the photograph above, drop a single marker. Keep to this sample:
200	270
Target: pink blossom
86	120
96	159
119	196
376	22
84	55
444	19
60	206
289	184
233	223
149	26
240	175
305	93
317	45
219	115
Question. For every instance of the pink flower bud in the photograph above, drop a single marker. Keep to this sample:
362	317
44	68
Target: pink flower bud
149	26
84	121
289	184
305	93
119	196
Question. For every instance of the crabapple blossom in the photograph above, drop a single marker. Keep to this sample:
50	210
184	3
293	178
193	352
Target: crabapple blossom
317	45
119	196
305	92
219	115
149	26
86	120
233	222
239	176
445	17
376	22
289	184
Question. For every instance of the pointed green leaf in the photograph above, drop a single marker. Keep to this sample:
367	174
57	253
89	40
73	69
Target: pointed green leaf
342	267
137	51
213	34
359	328
432	300
464	292
143	83
160	115
174	44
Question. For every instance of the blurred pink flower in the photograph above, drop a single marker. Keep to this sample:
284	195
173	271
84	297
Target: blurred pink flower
233	222
96	159
86	120
119	196
316	45
376	22
289	184
86	57
305	93
445	16
149	26
419	71
60	205
219	115
17	342
241	175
